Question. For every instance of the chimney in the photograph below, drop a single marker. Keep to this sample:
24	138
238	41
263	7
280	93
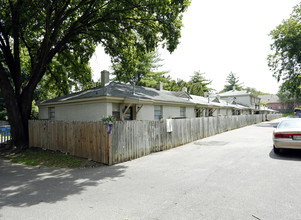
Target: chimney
159	86
105	77
233	88
184	89
205	94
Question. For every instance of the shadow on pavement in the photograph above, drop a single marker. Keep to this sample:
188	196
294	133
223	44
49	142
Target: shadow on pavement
287	154
23	186
268	124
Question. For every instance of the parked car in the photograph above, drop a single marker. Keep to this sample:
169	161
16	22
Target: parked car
287	135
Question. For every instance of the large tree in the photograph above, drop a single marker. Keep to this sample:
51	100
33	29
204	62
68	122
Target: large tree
285	99
232	83
285	62
197	85
143	71
47	32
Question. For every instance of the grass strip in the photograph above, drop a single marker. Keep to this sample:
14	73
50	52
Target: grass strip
46	158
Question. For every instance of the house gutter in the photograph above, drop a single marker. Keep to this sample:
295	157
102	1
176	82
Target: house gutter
115	100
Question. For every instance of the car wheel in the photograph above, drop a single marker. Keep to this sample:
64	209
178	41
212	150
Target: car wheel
276	150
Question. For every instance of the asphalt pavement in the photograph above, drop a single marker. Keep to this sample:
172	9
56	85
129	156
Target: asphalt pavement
233	175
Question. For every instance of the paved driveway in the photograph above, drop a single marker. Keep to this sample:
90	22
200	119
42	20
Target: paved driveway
234	175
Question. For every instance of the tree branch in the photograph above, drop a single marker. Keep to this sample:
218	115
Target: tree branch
16	69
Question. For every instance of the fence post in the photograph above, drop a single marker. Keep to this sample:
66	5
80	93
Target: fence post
109	141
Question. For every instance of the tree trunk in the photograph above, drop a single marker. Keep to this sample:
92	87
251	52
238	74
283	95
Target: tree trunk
18	116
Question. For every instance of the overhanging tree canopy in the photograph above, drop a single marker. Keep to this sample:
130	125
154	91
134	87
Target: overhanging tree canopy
285	62
38	35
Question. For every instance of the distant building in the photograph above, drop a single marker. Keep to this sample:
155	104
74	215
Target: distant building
243	98
273	102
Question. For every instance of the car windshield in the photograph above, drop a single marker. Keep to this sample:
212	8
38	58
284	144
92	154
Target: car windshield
290	124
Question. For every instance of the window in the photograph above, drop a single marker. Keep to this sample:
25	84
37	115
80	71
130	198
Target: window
211	112
51	113
157	112
182	112
116	111
129	113
116	114
197	112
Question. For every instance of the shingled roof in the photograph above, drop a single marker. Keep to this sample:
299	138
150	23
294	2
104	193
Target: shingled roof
142	94
122	90
270	98
234	93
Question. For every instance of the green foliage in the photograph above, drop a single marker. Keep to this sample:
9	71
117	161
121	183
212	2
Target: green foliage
151	79
66	73
264	104
285	62
108	119
34	111
64	35
3	115
45	45
285	98
233	81
197	85
144	71
287	114
254	91
176	85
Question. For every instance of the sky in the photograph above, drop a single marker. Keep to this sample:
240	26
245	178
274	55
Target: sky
220	37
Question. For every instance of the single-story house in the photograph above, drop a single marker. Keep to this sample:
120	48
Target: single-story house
214	106
124	101
131	102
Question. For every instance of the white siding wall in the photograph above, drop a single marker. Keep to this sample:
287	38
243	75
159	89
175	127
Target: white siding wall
246	100
190	112
171	111
79	112
245	112
146	113
43	113
230	112
223	112
95	111
216	112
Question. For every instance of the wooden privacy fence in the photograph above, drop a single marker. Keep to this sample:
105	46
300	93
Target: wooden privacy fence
130	139
134	139
83	139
